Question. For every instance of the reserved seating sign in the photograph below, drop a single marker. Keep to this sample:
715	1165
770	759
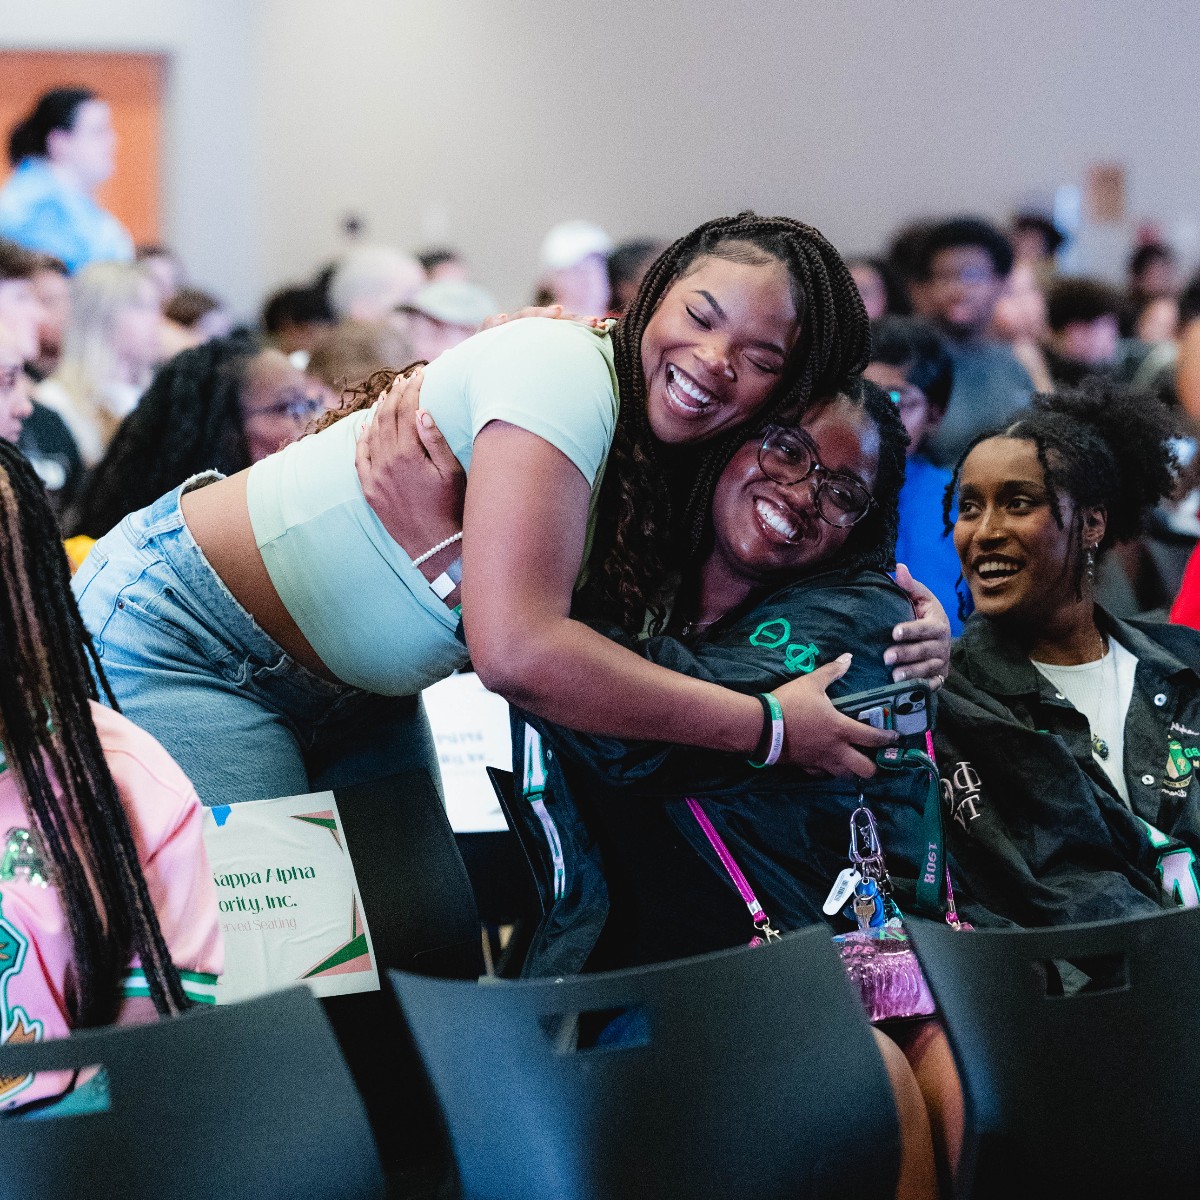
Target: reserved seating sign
289	901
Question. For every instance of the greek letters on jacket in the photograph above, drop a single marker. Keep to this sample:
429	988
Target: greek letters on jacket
1038	835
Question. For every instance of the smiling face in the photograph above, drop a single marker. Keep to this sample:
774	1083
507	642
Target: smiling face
715	347
763	529
1019	563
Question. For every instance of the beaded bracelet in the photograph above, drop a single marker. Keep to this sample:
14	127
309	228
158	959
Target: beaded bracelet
440	546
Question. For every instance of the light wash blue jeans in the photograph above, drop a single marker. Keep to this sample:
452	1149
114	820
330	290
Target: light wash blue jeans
191	666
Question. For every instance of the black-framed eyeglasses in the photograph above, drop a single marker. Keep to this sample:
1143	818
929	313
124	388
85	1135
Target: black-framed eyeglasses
788	457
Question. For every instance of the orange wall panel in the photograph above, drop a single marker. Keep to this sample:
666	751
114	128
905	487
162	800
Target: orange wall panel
133	85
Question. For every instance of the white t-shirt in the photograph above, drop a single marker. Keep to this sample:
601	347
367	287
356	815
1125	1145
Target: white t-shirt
1101	690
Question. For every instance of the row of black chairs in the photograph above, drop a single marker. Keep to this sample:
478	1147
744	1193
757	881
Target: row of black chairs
749	1073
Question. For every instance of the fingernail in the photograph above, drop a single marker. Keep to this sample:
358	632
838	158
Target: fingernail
845	658
900	676
898	633
889	657
426	419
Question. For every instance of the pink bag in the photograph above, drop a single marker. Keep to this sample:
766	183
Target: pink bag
877	957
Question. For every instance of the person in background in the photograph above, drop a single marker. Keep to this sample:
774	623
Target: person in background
1019	320
1152	272
960	267
1036	241
370	282
295	319
61	153
881	289
1084	337
575	268
52	288
1156	321
192	316
16	405
444	264
45	439
353	351
110	349
910	361
20	309
627	266
107	903
164	268
219	406
443	314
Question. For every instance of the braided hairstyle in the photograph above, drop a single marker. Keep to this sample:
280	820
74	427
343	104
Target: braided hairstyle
188	420
1101	446
48	674
647	530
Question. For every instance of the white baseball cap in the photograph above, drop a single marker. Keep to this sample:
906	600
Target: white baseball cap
453	302
571	242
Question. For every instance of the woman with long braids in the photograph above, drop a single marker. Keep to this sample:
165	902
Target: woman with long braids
108	910
274	629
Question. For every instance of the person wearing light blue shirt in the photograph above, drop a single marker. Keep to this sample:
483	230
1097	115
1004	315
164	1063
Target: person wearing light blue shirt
61	153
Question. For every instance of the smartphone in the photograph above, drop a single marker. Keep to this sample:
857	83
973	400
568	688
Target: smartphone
906	707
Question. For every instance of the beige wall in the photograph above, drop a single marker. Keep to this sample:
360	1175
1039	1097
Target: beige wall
211	207
484	122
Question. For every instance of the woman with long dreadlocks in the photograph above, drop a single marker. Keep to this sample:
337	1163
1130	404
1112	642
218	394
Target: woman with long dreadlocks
107	907
274	629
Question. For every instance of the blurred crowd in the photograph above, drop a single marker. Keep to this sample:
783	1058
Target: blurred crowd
121	376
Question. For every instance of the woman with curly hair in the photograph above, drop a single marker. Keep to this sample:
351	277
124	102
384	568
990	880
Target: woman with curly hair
219	406
1068	738
275	629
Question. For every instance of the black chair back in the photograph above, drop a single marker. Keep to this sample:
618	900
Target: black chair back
249	1101
421	911
748	1073
1085	1094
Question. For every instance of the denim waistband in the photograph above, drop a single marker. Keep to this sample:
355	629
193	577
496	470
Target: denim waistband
161	531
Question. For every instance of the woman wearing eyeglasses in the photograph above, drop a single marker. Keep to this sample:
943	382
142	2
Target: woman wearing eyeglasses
801	531
802	526
220	406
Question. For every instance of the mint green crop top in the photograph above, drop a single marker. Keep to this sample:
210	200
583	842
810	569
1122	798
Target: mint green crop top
365	609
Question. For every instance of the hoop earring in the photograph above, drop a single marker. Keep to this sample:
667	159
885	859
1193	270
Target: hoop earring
1091	564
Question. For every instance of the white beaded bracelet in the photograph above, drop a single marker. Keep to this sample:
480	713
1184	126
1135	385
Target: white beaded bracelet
439	547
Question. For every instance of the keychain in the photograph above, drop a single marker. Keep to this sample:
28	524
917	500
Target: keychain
872	906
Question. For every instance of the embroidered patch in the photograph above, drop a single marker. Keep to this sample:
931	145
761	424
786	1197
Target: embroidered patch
771	634
800	660
23	858
962	792
15	1026
1179	768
